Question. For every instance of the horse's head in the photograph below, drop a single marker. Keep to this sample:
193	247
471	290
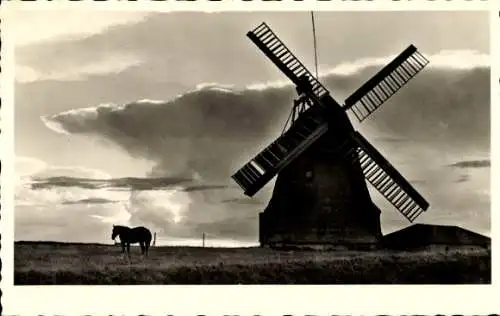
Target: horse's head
115	232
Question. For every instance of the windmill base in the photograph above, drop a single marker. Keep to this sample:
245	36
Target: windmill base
326	238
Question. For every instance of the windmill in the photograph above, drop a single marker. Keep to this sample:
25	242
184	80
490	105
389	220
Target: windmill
320	195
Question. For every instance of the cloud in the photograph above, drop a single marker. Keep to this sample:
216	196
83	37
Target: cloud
76	25
87	201
71	172
67	207
206	187
106	65
445	59
25	166
197	133
63	223
161	203
210	131
463	178
35	63
30	166
244	201
471	164
132	183
166	53
61	212
121	217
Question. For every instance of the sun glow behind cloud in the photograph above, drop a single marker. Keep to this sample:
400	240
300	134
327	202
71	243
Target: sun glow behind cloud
101	205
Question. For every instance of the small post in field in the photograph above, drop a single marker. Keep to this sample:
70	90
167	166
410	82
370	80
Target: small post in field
203	242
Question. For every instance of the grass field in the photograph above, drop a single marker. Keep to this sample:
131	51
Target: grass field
59	263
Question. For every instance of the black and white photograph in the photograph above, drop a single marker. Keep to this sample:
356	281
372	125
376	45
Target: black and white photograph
307	147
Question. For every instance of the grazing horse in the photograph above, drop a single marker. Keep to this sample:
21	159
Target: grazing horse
128	236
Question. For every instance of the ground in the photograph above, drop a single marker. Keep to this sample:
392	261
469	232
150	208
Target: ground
67	263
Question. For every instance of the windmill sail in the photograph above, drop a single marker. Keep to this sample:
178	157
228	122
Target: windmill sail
281	56
386	179
385	83
264	166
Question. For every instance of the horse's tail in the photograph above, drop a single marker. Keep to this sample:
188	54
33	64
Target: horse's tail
153	240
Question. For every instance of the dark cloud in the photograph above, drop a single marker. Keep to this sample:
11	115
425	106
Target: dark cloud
211	132
47	183
91	201
205	187
247	201
126	183
471	164
463	178
441	106
198	133
389	139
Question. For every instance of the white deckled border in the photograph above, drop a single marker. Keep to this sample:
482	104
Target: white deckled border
495	134
256	5
7	161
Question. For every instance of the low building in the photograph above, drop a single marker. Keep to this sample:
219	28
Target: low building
434	236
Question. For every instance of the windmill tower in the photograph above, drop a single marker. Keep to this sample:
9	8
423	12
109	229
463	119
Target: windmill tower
320	195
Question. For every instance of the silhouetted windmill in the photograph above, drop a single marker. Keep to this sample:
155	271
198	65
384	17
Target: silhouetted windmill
320	195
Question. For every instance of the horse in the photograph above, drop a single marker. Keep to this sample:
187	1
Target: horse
128	236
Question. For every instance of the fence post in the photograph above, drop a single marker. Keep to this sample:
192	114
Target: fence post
203	243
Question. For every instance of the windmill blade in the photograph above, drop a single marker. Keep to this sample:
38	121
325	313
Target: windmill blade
264	166
385	178
385	83
281	56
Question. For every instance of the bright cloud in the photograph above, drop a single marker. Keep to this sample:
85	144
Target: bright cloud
26	166
45	26
107	65
31	26
447	59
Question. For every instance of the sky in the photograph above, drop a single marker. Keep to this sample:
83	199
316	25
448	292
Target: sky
141	118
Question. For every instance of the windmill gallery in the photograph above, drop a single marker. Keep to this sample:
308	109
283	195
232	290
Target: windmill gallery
320	196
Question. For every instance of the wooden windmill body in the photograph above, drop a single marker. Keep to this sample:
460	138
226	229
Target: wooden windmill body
321	162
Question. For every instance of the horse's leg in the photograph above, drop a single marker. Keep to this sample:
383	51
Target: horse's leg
123	249
142	248
128	250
